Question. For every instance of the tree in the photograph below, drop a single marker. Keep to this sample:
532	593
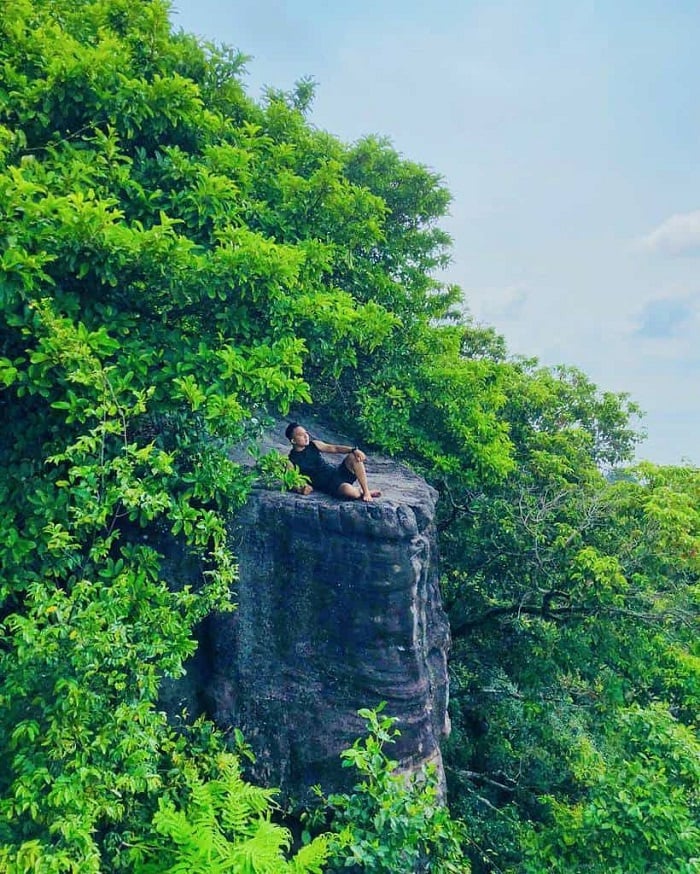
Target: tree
148	313
572	594
172	256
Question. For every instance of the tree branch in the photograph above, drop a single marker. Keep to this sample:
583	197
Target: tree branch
476	777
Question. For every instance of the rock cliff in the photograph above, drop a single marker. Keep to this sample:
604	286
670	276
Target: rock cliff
338	609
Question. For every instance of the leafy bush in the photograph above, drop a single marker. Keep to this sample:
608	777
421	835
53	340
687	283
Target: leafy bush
391	823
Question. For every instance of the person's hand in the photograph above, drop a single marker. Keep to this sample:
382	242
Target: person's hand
306	490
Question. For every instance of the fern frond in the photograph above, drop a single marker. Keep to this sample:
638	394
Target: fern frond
311	858
262	852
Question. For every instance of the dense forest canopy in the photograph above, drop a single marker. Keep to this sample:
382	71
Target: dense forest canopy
178	262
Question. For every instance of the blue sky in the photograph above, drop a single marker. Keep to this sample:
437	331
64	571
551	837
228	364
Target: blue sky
569	136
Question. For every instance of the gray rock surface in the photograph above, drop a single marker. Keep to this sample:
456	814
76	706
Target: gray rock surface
338	609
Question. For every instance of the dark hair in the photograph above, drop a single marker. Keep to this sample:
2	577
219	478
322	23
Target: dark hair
289	430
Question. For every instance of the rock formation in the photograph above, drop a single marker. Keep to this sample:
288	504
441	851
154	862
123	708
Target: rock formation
338	609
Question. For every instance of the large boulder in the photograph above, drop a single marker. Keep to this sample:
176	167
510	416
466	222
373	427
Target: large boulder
338	609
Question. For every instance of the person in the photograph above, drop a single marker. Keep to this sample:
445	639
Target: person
305	455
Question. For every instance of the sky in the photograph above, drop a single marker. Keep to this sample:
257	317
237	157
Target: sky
569	136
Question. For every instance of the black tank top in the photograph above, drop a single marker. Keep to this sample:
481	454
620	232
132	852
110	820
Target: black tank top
309	461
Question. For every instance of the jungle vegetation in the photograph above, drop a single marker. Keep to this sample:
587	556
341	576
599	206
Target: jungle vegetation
180	260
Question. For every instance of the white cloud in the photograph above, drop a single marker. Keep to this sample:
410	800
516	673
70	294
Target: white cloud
678	235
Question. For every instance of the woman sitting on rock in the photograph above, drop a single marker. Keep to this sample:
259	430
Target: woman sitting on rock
305	455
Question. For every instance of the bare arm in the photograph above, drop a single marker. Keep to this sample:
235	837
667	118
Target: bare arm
335	448
339	449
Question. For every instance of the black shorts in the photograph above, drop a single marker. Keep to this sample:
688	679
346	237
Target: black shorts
331	479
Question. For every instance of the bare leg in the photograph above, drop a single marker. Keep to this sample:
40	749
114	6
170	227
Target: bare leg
346	490
358	469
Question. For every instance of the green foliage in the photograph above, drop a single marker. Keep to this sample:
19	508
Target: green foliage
197	814
642	812
442	412
223	825
573	597
177	260
391	823
276	472
165	247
